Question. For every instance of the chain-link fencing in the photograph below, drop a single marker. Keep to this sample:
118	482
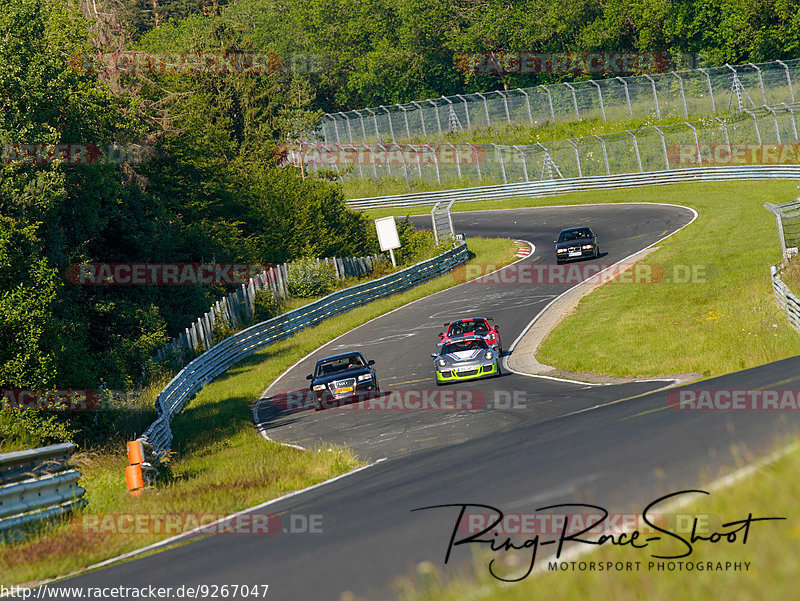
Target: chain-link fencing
682	94
753	137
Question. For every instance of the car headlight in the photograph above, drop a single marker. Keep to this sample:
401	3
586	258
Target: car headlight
442	362
319	387
561	250
487	355
363	377
588	246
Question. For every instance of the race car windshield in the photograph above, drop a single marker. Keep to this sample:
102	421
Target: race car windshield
464	345
574	235
467	327
332	366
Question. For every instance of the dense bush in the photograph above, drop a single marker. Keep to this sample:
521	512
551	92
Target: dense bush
265	306
307	278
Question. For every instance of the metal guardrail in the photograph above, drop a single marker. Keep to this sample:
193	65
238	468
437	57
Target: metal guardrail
785	299
237	307
221	356
36	485
577	184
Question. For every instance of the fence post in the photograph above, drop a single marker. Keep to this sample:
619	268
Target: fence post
727	138
655	95
349	129
485	108
710	90
636	149
436	163
527	104
505	102
760	83
663	145
502	164
421	116
550	101
600	96
405	120
775	119
458	163
477	159
788	79
436	112
466	109
524	163
755	124
363	125
574	99
605	154
577	156
627	96
696	142
683	95
794	121
375	122
389	117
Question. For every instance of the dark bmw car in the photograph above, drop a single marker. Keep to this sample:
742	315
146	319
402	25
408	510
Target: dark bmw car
576	243
341	377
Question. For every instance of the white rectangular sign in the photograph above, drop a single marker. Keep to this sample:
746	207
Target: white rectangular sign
387	233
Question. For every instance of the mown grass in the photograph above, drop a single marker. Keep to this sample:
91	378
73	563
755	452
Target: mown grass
771	491
219	463
723	319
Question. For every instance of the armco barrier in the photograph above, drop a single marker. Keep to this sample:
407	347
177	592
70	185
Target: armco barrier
562	186
36	485
785	299
158	437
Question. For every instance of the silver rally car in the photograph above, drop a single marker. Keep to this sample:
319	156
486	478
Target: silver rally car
465	357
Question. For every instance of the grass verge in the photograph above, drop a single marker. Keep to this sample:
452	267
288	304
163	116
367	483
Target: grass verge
791	275
714	311
771	491
219	462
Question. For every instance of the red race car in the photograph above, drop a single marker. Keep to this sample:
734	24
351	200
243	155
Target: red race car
479	326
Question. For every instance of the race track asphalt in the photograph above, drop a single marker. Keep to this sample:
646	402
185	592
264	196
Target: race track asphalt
562	443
